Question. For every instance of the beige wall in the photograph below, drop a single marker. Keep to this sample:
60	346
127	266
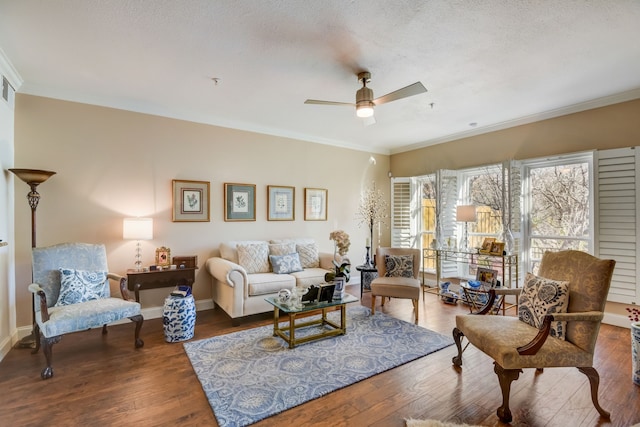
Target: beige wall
607	127
113	164
614	126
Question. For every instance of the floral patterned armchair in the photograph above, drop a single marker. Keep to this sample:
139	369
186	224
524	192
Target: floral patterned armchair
513	343
72	293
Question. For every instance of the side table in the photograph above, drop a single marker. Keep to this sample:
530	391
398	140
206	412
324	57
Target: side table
367	274
141	280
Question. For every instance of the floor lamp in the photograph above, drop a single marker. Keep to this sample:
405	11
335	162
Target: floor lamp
33	177
466	214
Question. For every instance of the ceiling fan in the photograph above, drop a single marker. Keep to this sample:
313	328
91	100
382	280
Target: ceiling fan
364	96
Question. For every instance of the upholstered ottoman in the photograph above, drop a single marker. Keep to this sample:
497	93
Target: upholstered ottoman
179	318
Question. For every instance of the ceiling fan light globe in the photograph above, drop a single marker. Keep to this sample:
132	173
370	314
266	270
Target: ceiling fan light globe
364	110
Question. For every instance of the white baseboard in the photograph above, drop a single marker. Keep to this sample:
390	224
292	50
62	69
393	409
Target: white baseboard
617	320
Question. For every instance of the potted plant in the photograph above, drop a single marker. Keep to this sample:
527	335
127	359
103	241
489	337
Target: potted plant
371	210
341	247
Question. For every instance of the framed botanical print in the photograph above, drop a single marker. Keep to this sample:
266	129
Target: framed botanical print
239	202
281	202
190	201
315	204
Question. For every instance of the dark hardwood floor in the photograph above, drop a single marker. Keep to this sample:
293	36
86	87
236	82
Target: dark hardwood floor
104	381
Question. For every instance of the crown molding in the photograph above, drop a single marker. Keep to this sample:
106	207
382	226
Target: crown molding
9	71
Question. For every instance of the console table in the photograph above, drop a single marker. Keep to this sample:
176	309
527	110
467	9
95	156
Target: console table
140	280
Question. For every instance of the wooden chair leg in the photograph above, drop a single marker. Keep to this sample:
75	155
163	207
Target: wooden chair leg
36	336
104	330
457	338
138	320
415	308
373	304
505	377
47	343
594	381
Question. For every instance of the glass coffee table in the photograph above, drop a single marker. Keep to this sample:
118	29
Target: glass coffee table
288	332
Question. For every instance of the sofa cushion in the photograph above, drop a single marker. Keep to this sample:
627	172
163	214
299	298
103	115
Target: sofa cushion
229	251
269	283
254	257
309	257
399	265
285	264
309	276
282	248
80	286
540	297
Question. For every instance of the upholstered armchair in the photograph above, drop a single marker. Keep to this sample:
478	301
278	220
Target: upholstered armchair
398	270
550	330
72	293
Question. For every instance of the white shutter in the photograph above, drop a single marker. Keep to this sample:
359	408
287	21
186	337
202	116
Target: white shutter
616	219
401	192
446	201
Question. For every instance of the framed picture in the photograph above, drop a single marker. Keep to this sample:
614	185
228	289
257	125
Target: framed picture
315	204
281	202
163	257
487	275
486	245
497	248
190	201
239	202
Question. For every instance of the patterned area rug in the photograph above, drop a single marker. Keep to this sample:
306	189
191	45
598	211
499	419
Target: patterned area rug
251	375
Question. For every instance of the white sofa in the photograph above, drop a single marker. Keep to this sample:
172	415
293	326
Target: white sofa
243	275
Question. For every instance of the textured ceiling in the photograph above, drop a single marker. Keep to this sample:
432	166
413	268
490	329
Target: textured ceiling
490	62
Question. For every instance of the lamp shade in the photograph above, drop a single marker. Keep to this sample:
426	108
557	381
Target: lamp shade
137	229
466	213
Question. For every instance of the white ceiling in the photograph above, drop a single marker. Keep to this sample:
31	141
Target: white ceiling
496	63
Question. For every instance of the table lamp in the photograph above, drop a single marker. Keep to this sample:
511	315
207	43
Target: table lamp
137	229
466	214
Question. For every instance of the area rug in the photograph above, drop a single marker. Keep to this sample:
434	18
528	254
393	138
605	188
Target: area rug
250	375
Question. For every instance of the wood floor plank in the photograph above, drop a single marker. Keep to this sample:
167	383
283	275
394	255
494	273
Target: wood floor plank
104	381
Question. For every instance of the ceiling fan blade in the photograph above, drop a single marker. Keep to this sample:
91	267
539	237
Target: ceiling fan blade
317	102
405	92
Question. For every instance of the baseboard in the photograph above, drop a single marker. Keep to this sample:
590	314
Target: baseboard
617	320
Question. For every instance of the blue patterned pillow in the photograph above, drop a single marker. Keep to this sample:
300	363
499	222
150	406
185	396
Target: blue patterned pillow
399	265
540	297
80	286
284	264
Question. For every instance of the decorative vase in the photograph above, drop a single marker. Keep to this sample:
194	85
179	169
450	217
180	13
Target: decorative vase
635	352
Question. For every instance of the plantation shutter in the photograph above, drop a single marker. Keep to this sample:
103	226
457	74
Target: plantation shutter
446	201
401	192
616	196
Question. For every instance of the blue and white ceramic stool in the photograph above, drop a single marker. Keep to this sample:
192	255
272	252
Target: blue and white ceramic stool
179	318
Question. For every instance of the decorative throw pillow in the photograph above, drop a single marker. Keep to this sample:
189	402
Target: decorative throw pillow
79	286
254	257
282	248
309	257
284	264
399	265
540	297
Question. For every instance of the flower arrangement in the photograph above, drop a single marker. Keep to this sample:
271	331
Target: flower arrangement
634	314
372	209
341	246
341	241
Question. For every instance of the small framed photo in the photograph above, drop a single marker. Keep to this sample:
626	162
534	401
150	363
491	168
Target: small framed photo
281	202
487	275
190	201
497	248
315	204
163	257
239	202
486	245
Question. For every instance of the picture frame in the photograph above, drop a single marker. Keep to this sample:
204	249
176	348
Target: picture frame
239	202
497	248
315	204
281	202
163	257
190	201
487	275
486	245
